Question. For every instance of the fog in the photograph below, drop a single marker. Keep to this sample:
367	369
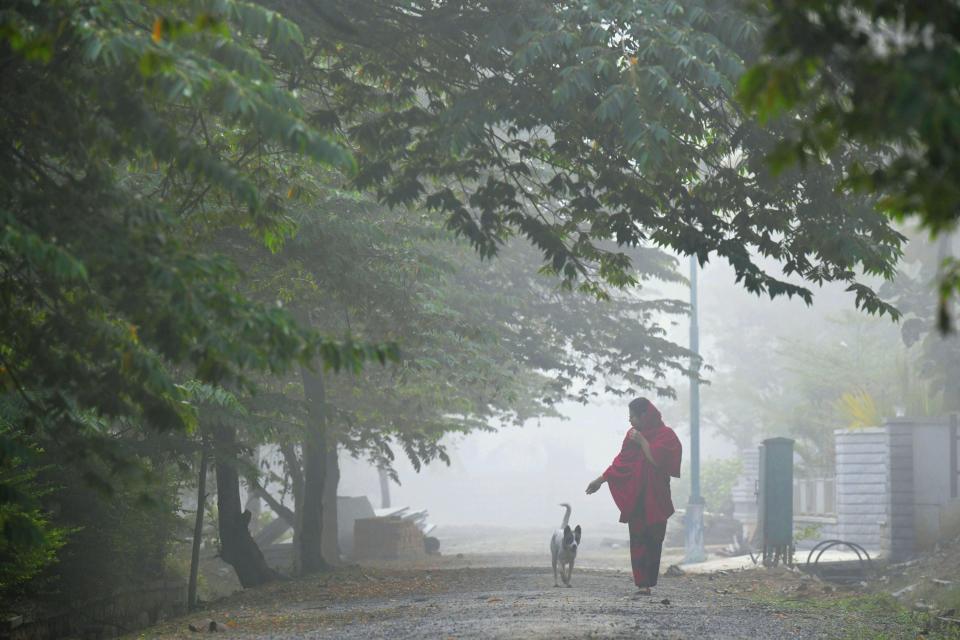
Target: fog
256	258
515	476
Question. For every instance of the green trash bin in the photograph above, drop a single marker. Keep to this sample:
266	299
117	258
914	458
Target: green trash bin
775	497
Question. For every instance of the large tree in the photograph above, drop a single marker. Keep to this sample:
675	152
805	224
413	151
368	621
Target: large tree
483	343
144	142
126	127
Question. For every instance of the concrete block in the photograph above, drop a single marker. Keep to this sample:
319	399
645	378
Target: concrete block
863	441
906	519
875	503
860	433
854	469
349	510
870	477
950	520
854	510
901	437
861	458
862	487
863	523
863	447
851	487
387	538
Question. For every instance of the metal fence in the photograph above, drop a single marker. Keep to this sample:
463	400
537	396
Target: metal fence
814	496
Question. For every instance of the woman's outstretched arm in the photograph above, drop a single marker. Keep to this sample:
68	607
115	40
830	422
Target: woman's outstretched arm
594	486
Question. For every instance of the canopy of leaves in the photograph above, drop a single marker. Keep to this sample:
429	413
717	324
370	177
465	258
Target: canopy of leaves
483	343
878	75
115	126
129	127
913	292
578	124
148	148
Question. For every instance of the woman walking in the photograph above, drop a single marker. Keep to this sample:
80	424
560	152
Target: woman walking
639	481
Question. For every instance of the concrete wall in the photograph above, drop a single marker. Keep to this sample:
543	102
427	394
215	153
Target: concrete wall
899	538
936	512
862	495
895	489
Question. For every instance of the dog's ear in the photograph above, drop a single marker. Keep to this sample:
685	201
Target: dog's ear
576	534
567	533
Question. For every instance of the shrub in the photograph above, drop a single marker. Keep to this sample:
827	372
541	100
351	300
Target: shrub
28	541
717	478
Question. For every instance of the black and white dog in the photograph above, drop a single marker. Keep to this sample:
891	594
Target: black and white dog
563	548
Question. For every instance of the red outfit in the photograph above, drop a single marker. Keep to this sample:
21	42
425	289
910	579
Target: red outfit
642	492
646	545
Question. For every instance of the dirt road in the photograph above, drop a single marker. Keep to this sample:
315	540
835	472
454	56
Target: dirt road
518	602
522	603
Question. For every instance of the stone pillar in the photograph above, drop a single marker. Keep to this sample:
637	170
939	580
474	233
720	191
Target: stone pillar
899	535
862	485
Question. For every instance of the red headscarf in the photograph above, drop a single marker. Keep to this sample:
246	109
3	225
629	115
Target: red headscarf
641	489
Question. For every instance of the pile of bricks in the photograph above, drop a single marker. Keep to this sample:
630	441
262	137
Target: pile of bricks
387	539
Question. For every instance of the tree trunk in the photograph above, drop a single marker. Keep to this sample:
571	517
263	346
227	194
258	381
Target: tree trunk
253	498
198	528
384	488
295	471
283	512
310	515
237	547
331	545
286	518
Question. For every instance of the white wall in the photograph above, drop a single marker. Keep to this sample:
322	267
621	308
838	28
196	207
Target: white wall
936	513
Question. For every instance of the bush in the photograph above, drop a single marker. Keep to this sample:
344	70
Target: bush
717	478
120	538
63	538
28	541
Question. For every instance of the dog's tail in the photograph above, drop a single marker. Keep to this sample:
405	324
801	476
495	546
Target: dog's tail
566	516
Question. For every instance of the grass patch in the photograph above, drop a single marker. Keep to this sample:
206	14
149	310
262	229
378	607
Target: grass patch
866	616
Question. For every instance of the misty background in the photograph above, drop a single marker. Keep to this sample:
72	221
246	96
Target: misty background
516	476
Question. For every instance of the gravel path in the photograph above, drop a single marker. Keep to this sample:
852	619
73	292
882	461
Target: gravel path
522	603
508	602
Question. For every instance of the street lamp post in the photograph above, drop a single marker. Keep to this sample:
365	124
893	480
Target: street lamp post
694	514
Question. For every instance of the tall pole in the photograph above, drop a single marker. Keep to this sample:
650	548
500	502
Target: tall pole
198	527
694	515
694	386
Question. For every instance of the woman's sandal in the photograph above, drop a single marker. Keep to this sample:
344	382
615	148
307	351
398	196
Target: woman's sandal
643	591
